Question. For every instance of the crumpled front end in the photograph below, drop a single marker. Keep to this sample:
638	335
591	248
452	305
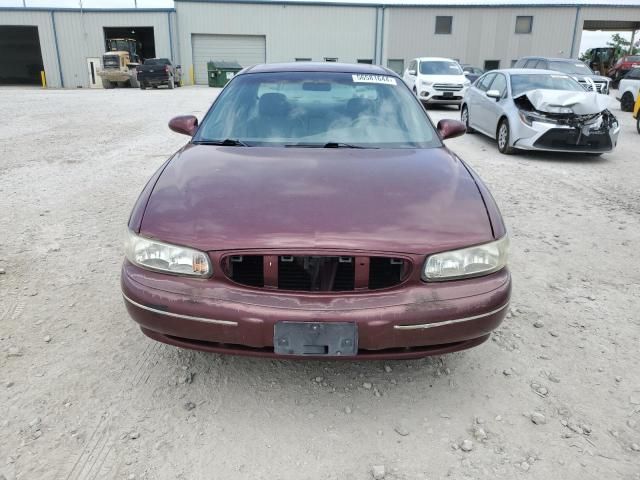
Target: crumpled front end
565	122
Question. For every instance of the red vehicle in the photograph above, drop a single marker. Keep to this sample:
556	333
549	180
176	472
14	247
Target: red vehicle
316	213
622	67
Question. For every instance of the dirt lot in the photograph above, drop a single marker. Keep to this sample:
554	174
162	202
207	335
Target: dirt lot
83	394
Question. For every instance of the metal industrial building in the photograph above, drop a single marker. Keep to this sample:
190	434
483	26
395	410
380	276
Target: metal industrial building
489	33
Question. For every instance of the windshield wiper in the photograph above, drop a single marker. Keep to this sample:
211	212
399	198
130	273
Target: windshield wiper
326	145
227	142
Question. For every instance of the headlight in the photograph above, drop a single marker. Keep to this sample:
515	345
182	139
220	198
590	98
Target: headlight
164	257
529	117
426	83
467	262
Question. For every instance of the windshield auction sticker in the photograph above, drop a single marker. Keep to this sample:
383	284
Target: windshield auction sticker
365	78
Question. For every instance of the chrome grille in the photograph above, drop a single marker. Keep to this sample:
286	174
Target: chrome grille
600	86
447	87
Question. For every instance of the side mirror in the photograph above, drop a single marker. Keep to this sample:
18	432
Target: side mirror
185	124
451	128
495	94
412	73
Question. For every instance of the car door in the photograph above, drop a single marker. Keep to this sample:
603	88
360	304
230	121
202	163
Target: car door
477	100
495	107
410	73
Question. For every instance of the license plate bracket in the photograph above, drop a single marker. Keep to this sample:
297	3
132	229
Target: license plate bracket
448	94
326	339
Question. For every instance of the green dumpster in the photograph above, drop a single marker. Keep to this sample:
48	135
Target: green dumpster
220	72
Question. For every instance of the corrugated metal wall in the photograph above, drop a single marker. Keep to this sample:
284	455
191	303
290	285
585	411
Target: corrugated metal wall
478	34
81	36
42	20
291	31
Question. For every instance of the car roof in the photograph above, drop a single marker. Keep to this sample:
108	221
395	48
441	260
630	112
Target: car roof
435	59
318	67
528	71
553	59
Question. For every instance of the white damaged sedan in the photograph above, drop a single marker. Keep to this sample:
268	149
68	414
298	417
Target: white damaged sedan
539	110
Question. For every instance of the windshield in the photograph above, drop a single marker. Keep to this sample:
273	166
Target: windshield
440	67
570	67
314	109
523	83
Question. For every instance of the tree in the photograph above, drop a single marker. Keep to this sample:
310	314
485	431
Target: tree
622	46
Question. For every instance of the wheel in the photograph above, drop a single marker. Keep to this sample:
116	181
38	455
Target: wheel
503	137
142	86
626	102
134	82
170	84
459	107
107	84
464	118
638	123
154	86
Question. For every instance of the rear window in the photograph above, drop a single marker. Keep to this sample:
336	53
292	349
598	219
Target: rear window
312	109
523	83
576	67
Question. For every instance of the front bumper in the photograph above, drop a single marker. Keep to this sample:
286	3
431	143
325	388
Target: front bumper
431	96
558	138
410	321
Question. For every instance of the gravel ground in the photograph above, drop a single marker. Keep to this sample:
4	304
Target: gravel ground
554	394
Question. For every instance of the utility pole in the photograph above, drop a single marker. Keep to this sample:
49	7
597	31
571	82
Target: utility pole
631	44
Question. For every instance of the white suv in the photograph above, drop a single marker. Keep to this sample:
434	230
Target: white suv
437	80
628	90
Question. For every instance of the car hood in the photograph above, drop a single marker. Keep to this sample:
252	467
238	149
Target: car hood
557	101
400	200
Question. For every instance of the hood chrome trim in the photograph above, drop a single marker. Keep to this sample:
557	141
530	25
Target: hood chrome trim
178	315
449	322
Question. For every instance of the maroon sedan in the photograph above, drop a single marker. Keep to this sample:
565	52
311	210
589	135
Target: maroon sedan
317	213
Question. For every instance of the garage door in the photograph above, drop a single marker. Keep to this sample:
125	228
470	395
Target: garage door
245	49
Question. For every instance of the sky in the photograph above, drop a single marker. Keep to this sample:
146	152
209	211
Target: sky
589	39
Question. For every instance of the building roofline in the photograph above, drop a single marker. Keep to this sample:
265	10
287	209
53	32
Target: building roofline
436	4
88	10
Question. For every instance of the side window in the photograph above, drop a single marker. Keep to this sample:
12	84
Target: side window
531	63
542	64
634	74
484	82
499	83
413	65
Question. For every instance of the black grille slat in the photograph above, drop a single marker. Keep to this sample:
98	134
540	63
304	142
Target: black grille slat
249	271
316	273
383	273
292	276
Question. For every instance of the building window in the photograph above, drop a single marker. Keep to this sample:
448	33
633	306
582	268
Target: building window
491	65
524	24
396	64
303	59
365	60
330	59
513	63
443	25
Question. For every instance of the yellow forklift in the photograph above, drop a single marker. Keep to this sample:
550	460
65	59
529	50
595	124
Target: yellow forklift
636	112
120	63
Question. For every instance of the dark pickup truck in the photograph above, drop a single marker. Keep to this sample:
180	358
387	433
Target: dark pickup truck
159	71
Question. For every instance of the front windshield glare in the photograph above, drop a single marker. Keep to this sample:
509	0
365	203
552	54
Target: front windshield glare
571	68
523	83
316	109
440	67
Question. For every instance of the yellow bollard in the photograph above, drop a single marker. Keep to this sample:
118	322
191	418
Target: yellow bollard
193	80
43	79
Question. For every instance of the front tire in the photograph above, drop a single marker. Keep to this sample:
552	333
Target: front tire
107	84
170	84
638	123
626	102
504	137
464	118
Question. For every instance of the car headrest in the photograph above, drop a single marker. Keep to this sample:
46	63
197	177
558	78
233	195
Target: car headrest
356	106
273	105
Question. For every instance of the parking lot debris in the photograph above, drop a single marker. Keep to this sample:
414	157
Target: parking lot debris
367	385
387	369
319	379
538	418
347	409
479	434
466	445
189	406
635	447
401	429
134	435
47	338
2	271
14	352
538	324
378	472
